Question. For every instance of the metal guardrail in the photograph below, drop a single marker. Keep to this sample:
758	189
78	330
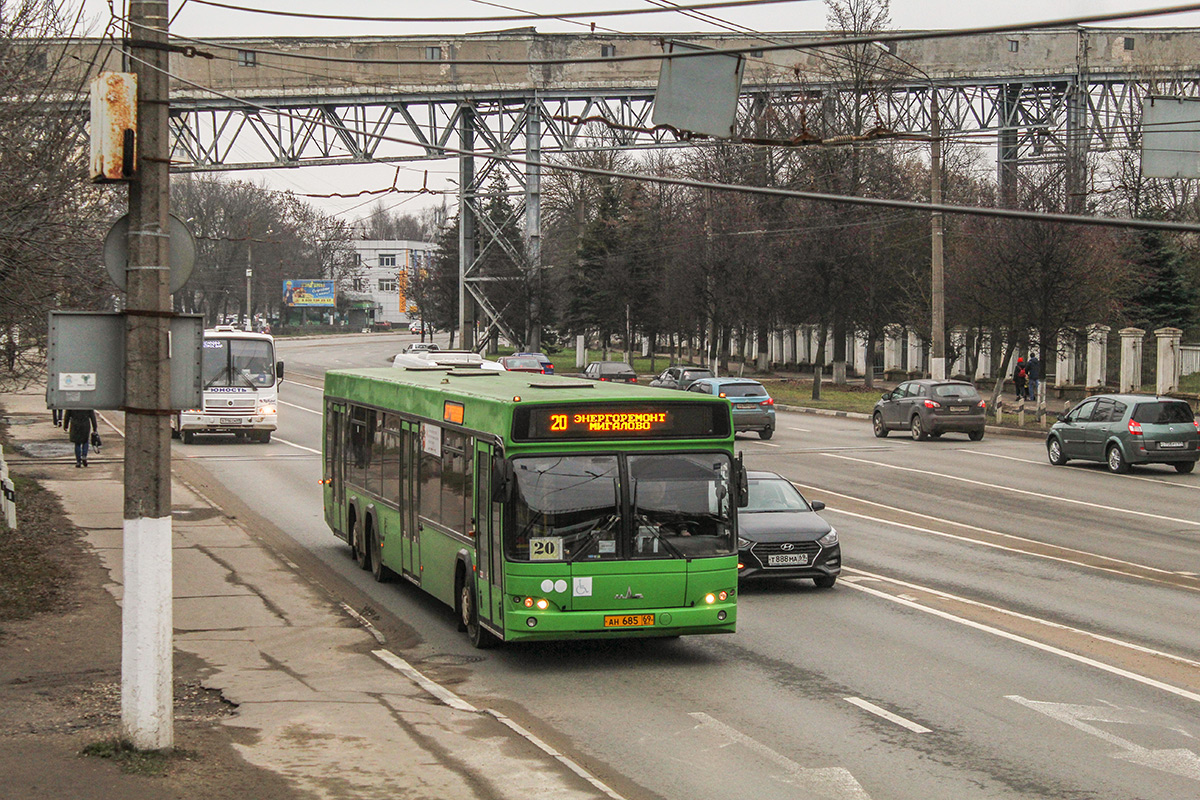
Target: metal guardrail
8	502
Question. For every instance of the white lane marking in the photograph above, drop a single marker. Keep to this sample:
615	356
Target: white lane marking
1159	481
436	689
302	408
1018	615
1181	761
988	531
454	701
562	759
366	623
297	446
825	781
764	444
111	424
1091	662
1025	492
1007	549
871	708
802	430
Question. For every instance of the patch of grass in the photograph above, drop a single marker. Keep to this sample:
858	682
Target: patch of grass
793	392
132	761
1190	383
33	577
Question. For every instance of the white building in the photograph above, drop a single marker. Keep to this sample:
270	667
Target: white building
379	266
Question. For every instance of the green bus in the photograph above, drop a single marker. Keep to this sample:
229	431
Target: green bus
538	507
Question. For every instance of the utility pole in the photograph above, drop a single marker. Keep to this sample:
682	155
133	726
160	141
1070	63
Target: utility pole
146	619
937	358
249	276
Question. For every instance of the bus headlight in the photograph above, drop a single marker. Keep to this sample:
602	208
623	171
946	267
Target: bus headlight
710	598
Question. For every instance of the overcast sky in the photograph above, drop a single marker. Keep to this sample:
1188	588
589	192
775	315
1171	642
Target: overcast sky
198	20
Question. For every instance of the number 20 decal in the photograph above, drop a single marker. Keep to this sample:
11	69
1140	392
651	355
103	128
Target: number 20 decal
545	549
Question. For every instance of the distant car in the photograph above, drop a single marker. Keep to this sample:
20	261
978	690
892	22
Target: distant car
781	535
753	408
415	327
547	364
928	408
615	371
521	364
421	347
1125	429
680	377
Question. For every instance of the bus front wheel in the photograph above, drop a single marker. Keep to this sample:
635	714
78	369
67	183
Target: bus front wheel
480	638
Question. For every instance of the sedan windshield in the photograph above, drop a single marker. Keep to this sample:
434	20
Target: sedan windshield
570	508
773	494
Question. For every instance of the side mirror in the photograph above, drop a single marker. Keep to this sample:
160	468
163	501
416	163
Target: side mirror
743	483
817	505
886	396
279	370
1061	417
503	480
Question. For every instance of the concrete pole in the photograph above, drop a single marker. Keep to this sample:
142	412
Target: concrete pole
533	219
1097	355
937	359
1131	359
580	351
1064	368
466	217
1168	360
146	610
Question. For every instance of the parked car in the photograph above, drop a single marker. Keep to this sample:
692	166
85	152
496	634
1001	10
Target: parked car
1124	429
753	408
680	377
521	364
547	364
616	371
421	347
781	535
928	408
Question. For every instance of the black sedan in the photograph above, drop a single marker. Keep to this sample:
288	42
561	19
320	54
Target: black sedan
780	535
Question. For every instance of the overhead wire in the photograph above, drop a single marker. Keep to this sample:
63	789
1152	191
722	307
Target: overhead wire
1004	213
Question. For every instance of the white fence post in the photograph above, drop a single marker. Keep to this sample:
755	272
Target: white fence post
8	502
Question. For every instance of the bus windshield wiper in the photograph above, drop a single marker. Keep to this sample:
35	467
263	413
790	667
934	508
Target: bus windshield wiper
642	522
217	377
591	534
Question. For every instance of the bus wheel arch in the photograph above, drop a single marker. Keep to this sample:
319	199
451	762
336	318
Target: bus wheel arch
467	606
362	541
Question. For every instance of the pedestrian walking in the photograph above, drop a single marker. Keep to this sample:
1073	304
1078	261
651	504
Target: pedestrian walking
81	425
1020	377
1033	371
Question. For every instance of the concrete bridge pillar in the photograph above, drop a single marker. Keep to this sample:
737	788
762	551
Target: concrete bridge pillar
1131	359
1097	354
1168	359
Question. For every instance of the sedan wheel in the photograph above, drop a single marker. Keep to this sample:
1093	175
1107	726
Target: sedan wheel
825	581
881	430
976	436
1185	466
1116	461
917	428
1055	452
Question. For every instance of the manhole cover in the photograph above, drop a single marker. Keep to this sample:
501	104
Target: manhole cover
451	660
47	449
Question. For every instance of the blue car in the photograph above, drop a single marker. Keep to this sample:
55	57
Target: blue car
547	364
753	408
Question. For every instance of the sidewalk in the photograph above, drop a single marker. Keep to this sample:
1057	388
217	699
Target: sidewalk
317	707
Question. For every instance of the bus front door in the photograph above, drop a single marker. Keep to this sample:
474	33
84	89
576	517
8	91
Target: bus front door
488	551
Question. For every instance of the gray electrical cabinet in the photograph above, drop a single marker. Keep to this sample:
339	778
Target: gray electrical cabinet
85	360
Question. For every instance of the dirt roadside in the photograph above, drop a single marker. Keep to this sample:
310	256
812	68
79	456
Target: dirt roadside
60	639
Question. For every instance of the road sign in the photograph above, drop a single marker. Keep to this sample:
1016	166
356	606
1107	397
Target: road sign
183	252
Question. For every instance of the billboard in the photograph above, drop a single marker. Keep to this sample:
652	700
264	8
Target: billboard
301	293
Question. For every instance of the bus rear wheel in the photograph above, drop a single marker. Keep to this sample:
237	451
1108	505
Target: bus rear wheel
480	638
379	572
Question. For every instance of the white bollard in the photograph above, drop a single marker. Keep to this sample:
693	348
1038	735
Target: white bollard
8	494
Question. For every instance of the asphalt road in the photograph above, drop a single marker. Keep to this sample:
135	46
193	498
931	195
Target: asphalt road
1002	628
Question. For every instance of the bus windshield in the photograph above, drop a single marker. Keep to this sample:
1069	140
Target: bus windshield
245	363
570	508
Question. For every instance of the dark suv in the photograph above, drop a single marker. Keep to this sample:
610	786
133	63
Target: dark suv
1124	429
928	408
615	371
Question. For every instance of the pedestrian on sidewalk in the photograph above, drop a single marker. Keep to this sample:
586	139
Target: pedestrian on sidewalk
1020	376
1033	371
81	424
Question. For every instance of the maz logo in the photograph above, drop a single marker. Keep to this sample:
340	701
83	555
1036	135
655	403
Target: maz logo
629	595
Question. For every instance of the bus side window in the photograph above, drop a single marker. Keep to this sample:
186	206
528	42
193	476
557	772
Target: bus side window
362	439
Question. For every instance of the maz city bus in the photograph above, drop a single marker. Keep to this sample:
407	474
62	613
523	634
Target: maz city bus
241	384
538	507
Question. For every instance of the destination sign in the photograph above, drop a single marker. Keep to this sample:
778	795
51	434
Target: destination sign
621	421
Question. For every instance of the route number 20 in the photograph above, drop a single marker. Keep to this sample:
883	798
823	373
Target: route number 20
558	422
547	548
